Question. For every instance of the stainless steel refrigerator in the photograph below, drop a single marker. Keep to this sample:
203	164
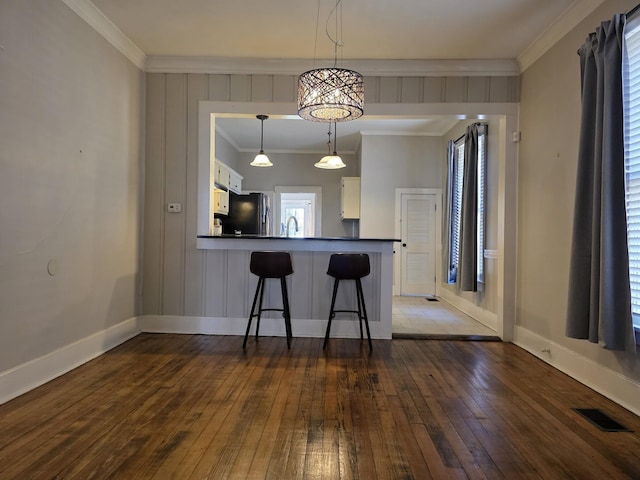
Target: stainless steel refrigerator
249	214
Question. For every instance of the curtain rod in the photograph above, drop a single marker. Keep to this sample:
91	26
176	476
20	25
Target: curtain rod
628	14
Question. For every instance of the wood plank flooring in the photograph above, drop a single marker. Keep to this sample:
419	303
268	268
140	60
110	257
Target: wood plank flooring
196	406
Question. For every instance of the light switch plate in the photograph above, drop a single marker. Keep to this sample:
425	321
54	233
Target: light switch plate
174	208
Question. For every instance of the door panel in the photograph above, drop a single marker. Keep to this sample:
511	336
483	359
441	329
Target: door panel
418	253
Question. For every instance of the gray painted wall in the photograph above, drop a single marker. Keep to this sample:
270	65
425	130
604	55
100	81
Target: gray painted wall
175	279
390	162
550	119
226	152
71	131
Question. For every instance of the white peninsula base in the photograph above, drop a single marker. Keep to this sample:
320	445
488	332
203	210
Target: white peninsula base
230	288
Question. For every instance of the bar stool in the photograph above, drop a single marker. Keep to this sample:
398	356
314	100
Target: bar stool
265	265
349	266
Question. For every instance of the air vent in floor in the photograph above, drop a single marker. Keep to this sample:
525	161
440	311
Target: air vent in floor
601	420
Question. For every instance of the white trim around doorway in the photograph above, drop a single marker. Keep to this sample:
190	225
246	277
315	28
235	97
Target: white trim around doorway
398	233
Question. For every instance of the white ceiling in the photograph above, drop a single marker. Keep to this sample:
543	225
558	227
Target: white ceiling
274	31
286	135
372	29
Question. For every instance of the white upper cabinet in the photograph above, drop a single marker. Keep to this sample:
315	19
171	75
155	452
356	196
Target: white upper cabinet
220	202
350	198
235	181
226	178
221	177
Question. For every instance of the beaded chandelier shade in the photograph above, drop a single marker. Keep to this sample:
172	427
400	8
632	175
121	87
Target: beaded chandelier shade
330	95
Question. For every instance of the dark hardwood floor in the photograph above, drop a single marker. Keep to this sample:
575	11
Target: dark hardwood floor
195	407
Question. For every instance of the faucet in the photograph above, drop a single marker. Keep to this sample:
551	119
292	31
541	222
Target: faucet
295	221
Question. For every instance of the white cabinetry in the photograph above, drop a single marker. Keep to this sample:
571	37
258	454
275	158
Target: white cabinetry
220	201
235	181
350	198
221	178
225	180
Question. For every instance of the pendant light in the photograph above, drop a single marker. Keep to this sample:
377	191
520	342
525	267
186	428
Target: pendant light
331	161
331	94
261	159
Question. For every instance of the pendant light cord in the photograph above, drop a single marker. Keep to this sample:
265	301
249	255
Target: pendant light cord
337	42
261	135
315	44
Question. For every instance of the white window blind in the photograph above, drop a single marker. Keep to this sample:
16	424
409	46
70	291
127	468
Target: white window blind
481	204
631	99
456	201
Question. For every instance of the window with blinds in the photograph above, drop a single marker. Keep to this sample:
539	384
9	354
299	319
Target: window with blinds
482	149
631	101
456	206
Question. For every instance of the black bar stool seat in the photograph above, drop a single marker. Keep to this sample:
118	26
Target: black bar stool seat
349	266
270	264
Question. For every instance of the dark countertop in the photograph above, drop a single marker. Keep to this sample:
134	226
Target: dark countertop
261	237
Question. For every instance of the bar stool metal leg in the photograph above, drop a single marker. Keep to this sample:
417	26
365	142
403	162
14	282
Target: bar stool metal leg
360	302
260	310
253	309
285	310
360	295
332	313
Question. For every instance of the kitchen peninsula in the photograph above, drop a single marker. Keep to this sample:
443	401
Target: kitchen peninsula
230	286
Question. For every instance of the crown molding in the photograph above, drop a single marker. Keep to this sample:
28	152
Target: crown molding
397	133
224	135
577	12
105	27
395	68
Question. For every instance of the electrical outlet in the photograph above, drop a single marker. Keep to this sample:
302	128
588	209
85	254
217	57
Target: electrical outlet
174	208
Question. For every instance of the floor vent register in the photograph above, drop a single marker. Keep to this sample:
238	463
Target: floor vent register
601	420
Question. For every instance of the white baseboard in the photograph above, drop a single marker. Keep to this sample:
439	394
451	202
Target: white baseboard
340	328
25	377
485	317
605	381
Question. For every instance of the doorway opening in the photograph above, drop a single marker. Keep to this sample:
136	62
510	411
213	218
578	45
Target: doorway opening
298	211
299	207
417	307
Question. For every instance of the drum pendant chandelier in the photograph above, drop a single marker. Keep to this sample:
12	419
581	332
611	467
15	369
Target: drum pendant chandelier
331	94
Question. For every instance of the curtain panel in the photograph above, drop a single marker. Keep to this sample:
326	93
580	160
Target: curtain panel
599	300
468	260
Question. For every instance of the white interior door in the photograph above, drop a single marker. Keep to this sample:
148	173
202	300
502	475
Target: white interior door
418	250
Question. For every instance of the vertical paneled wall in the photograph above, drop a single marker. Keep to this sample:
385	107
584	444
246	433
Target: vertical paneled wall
174	270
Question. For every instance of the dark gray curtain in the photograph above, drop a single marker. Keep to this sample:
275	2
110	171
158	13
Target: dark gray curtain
468	266
599	303
448	267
